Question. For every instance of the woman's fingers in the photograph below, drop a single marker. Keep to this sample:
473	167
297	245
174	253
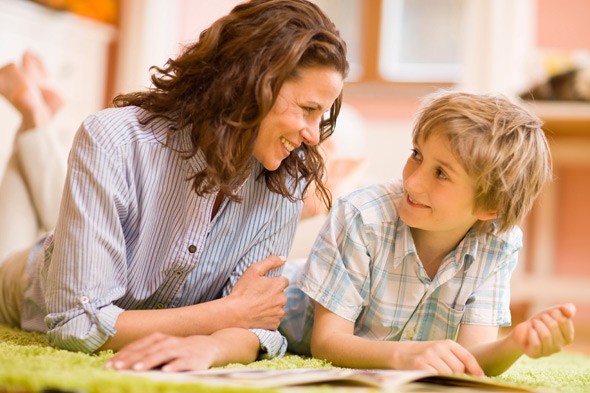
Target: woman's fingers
136	352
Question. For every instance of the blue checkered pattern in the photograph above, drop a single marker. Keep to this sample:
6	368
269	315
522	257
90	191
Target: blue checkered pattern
364	268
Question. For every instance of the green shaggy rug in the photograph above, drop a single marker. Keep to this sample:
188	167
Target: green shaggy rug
29	364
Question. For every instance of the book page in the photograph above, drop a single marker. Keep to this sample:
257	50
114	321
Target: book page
387	380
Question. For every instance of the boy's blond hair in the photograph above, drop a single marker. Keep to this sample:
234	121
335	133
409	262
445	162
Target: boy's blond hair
500	144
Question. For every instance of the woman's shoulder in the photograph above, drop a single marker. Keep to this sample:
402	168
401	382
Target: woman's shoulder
118	126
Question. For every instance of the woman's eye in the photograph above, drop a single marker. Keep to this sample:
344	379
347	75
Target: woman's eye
415	154
308	110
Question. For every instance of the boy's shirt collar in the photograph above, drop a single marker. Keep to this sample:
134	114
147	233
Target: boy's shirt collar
462	257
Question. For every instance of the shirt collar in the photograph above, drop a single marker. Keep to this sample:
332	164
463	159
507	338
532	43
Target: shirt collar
404	244
464	254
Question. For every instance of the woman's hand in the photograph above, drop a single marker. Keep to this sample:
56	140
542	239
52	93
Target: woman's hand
546	332
259	300
173	353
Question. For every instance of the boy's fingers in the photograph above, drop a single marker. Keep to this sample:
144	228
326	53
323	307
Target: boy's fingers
560	326
567	330
533	340
568	309
550	332
471	365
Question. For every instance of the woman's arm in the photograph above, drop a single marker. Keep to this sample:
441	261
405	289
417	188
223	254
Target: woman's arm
333	339
251	304
188	353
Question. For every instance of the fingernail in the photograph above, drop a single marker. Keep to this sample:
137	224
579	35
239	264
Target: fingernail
166	368
119	365
138	366
108	364
282	258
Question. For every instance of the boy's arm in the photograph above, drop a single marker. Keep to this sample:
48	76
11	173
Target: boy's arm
173	353
541	335
333	339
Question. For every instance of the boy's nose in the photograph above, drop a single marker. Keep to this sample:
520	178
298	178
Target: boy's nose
414	182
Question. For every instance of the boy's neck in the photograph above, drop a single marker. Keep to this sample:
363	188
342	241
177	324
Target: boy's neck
433	247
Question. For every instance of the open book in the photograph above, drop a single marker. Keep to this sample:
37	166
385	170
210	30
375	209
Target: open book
386	380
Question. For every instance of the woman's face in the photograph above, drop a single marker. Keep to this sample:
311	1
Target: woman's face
295	116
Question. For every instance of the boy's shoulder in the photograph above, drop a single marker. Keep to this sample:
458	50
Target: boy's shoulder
507	242
376	202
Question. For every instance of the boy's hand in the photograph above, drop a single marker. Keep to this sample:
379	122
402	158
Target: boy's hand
546	332
443	357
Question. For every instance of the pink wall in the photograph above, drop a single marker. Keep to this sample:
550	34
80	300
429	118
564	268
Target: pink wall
574	210
198	15
563	24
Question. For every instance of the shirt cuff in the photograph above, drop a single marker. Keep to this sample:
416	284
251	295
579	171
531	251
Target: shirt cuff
272	343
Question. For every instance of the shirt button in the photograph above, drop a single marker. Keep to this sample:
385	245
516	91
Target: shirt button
160	305
409	334
192	248
84	299
178	272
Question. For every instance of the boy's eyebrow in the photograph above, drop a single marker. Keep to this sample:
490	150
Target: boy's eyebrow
442	163
446	165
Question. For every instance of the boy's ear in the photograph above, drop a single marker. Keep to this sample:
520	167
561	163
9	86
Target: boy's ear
487	215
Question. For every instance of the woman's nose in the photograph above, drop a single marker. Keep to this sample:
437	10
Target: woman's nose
311	133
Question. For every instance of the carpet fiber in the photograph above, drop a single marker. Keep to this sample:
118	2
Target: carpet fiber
28	363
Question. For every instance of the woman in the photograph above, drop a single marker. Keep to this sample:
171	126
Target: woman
181	199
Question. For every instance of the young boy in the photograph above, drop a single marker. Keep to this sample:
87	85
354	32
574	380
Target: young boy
416	274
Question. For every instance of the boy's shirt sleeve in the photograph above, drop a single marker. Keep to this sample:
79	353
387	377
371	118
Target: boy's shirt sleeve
337	272
489	304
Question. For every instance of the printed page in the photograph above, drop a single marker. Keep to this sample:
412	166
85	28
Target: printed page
386	380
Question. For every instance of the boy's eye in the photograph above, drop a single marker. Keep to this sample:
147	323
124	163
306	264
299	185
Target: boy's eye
441	174
415	154
308	110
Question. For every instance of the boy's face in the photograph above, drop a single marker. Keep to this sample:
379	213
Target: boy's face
438	194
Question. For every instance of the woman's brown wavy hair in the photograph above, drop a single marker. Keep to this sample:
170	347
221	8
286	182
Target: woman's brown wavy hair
223	85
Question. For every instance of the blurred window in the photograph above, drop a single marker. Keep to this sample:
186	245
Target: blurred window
400	40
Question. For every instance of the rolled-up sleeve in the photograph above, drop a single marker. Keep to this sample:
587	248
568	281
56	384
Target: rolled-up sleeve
88	262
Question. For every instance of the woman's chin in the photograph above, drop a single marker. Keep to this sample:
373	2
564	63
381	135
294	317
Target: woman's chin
271	166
